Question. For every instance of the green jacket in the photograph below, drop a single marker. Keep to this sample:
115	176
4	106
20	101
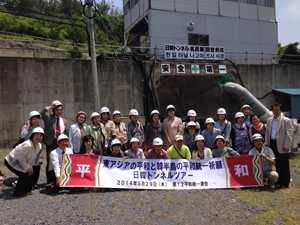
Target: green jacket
92	130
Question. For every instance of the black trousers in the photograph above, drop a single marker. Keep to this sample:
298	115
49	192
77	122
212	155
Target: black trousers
282	165
49	149
36	174
24	181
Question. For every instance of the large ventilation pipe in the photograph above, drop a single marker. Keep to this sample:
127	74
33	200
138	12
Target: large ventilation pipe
239	91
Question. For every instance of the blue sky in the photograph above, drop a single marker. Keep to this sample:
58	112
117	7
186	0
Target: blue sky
287	15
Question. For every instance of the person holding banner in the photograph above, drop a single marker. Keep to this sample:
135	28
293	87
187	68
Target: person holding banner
108	124
87	148
56	158
221	150
97	131
172	125
153	129
116	149
201	152
210	133
268	159
134	152
157	152
179	150
189	138
77	132
21	160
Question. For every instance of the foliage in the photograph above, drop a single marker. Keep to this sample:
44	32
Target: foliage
289	54
71	24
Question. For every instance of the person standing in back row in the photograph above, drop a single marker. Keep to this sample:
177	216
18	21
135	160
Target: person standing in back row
279	137
55	125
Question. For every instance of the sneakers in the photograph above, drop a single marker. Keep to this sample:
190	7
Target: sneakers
272	186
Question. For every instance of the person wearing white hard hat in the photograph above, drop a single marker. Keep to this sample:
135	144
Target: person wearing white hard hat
21	160
134	152
77	132
172	125
210	133
223	124
97	131
33	121
116	149
120	127
135	128
153	130
222	150
157	152
191	116
87	146
179	150
108	124
189	138
201	152
54	125
268	159
240	135
246	109
55	160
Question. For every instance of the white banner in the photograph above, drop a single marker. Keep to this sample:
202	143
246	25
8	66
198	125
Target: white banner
162	174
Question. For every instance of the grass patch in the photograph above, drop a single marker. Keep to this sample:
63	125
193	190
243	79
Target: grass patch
280	206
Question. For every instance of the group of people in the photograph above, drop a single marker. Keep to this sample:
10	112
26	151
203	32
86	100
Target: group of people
111	137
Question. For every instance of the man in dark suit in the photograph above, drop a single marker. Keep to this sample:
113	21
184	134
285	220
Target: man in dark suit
279	137
55	125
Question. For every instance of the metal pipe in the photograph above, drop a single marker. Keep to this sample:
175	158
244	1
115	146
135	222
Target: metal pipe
239	91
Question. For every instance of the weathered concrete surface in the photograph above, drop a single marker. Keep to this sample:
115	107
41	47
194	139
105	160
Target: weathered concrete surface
31	84
28	84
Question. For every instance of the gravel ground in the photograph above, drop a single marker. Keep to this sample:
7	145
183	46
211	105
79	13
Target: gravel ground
77	206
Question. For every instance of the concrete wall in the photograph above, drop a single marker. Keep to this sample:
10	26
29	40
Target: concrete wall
235	34
31	84
28	84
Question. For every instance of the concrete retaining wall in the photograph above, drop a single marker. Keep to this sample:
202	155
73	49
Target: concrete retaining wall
30	84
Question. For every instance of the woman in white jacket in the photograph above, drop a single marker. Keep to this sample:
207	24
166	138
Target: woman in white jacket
21	160
77	132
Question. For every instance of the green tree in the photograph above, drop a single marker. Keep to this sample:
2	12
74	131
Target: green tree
289	54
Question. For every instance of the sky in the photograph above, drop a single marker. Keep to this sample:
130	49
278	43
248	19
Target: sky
287	15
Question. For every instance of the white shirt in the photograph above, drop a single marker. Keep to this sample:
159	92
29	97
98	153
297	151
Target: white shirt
274	127
75	137
55	160
138	155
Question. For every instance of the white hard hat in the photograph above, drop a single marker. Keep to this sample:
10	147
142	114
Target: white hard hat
34	113
246	106
220	137
157	141
94	114
199	138
104	110
154	112
116	112
191	124
133	112
37	130
191	113
209	120
171	107
81	112
134	140
239	114
61	137
221	111
257	136
58	103
115	142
